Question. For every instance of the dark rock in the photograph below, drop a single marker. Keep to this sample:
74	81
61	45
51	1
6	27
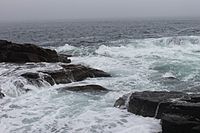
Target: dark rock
31	75
64	58
59	76
65	55
178	124
86	88
185	108
73	73
196	129
1	95
49	79
21	53
69	73
80	72
194	98
35	79
122	101
179	112
152	104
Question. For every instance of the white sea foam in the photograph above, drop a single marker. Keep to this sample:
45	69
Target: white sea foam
65	48
136	65
169	74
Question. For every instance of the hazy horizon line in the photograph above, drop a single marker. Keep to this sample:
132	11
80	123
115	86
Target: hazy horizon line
102	19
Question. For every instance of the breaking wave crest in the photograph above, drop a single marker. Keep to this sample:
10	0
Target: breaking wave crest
189	41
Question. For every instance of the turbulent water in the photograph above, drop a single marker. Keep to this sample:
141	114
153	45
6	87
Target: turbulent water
140	55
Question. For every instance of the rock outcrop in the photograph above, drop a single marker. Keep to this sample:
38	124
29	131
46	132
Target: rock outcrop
179	112
153	104
22	53
85	88
68	73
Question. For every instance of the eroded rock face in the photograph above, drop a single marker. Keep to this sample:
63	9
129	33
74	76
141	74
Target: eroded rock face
85	88
179	112
21	53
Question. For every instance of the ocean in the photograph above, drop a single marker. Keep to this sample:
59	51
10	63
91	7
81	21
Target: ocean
140	55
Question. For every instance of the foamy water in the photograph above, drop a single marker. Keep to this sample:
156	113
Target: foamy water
135	65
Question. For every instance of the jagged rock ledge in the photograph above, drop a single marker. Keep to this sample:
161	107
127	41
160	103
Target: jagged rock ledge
68	73
22	53
84	88
179	112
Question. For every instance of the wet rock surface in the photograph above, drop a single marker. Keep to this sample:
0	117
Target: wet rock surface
85	88
179	124
80	72
31	75
1	95
179	112
22	53
122	101
152	104
64	58
37	79
59	76
68	73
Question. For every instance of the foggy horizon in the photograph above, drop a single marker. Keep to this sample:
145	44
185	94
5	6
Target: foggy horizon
69	10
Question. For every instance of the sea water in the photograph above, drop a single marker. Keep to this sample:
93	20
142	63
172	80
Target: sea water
140	55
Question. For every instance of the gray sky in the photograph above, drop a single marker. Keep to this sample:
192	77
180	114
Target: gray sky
27	10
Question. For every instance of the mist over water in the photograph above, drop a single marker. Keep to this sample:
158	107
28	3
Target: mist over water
37	10
140	55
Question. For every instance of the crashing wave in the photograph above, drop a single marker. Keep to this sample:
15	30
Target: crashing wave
178	40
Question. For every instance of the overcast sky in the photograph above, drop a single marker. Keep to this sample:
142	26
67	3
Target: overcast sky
27	10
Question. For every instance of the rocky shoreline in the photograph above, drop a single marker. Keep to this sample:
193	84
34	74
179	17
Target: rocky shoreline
179	112
68	73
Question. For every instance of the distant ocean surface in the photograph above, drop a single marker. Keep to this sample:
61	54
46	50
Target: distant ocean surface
139	55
